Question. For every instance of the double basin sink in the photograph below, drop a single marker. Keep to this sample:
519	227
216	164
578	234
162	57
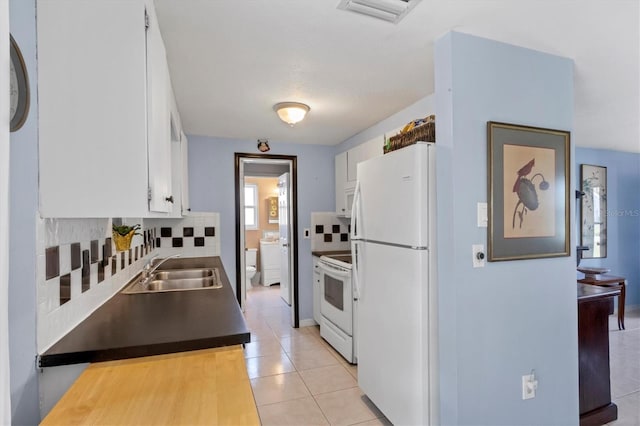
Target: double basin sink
181	276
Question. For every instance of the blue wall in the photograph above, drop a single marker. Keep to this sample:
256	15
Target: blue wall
211	188
22	239
499	322
623	215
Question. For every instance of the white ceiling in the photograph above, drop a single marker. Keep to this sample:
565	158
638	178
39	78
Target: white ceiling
232	60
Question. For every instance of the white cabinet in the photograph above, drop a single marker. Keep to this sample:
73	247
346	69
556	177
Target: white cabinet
179	164
346	167
317	293
341	180
362	152
184	145
159	105
269	262
180	179
104	90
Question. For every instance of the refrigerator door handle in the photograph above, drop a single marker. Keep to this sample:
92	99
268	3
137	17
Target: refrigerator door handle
355	277
355	213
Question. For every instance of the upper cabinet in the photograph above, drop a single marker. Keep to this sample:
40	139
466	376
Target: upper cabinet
346	168
159	119
362	152
180	183
341	181
105	110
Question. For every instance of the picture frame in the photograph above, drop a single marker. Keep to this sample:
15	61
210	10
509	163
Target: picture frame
528	192
593	211
272	210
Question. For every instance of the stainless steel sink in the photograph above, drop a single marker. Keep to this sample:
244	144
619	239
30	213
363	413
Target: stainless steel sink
176	274
180	284
176	280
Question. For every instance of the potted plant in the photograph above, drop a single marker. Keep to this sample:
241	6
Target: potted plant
123	234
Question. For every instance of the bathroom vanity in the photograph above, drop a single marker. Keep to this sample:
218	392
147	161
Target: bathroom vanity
269	262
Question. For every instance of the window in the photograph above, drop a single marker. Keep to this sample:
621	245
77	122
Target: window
250	206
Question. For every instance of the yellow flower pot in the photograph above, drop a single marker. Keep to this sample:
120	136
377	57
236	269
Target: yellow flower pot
123	242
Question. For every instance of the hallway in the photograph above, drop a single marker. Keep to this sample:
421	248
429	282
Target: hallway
297	378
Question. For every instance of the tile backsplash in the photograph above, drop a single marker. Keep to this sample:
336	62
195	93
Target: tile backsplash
77	271
329	232
78	267
194	235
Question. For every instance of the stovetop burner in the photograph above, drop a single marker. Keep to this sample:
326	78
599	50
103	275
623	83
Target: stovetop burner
343	260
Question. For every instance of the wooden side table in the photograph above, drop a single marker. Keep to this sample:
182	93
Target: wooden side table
612	282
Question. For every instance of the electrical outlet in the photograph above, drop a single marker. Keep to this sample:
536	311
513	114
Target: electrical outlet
529	386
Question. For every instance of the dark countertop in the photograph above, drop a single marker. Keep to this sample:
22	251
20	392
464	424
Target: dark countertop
135	325
590	292
324	253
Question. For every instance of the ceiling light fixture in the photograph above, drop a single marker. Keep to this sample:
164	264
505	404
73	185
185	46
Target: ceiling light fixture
388	10
291	112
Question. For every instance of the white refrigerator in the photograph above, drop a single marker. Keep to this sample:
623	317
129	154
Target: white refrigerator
393	241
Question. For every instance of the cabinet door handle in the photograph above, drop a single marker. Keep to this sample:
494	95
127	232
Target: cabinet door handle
169	199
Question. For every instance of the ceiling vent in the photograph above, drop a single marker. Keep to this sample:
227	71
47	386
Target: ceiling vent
388	10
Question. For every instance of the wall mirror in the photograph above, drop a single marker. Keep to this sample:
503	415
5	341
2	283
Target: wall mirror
593	211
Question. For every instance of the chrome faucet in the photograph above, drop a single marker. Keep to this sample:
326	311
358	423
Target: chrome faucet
149	269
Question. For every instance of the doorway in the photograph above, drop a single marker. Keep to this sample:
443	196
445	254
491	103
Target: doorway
255	166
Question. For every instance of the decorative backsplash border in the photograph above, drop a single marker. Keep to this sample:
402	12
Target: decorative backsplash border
194	235
329	232
73	264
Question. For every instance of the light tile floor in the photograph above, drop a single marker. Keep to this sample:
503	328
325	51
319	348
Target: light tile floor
297	378
624	353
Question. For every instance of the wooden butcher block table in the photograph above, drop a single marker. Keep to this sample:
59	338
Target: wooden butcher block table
205	387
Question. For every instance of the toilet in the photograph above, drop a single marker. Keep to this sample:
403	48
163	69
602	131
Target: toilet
250	260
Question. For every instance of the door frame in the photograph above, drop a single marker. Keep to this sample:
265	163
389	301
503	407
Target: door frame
238	156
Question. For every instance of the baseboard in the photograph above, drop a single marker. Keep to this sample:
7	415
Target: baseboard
307	322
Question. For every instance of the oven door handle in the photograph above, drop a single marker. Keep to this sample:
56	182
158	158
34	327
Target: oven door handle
333	271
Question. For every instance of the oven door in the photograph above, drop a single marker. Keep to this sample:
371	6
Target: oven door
336	298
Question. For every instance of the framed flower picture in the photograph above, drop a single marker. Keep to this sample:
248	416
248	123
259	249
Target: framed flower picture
528	192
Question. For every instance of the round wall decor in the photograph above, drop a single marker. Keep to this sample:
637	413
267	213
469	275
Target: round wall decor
19	89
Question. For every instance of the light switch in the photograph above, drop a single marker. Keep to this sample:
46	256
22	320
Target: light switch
482	215
307	233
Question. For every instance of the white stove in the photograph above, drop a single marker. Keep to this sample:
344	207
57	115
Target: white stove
342	260
338	305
